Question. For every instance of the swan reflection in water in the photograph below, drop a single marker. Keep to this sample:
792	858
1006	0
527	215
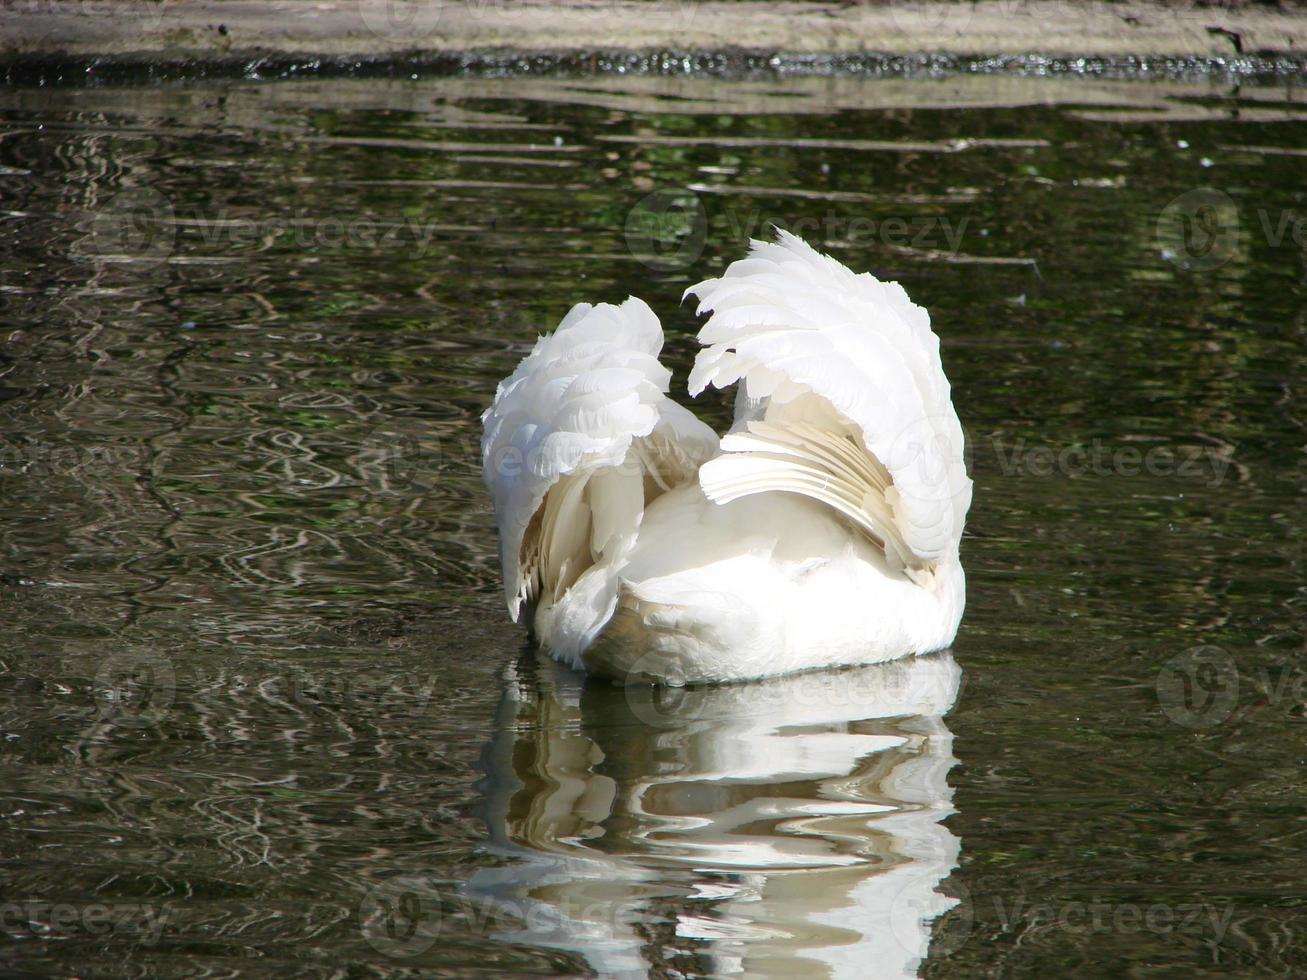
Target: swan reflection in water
789	827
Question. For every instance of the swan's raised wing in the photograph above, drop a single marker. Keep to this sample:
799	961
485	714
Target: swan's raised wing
843	398
577	441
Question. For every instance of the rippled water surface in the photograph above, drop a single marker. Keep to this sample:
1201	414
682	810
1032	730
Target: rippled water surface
261	711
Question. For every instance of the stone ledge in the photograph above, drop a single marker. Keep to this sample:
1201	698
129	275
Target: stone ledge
200	31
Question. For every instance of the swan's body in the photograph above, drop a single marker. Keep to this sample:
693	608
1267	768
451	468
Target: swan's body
822	531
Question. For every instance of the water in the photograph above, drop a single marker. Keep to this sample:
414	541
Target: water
261	708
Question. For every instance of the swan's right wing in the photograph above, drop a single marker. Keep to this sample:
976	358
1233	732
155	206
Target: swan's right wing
843	399
578	440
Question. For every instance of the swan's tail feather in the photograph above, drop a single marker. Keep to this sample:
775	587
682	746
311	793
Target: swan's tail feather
842	398
578	440
830	467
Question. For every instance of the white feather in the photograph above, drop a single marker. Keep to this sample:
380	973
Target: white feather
569	439
794	323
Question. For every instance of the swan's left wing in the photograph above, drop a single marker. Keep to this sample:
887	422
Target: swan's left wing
578	440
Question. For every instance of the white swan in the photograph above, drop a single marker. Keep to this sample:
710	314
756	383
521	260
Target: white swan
821	531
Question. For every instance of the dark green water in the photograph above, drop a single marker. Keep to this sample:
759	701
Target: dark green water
261	711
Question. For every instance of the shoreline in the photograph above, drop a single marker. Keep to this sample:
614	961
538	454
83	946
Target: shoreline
92	40
732	65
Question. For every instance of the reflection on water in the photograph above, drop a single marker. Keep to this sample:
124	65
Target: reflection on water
782	828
